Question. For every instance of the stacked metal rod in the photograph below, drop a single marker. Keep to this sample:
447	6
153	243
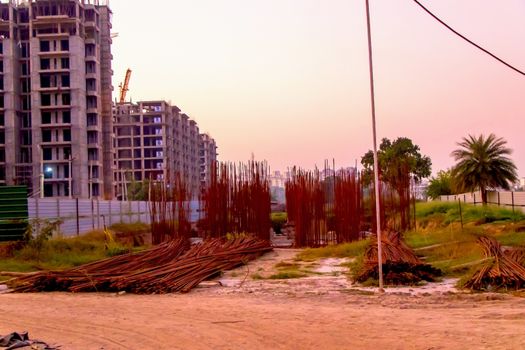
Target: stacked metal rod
502	270
167	268
400	263
168	204
202	262
237	200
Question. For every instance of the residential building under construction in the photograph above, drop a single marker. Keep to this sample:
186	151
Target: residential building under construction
55	97
154	141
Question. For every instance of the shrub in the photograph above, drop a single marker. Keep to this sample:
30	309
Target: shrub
278	221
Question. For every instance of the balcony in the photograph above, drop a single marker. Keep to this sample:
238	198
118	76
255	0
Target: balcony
54	53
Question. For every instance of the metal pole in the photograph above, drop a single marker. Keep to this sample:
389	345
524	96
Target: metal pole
77	217
90	181
41	173
460	214
70	160
42	185
376	163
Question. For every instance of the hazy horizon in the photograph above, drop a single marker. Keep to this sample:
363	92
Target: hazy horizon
287	80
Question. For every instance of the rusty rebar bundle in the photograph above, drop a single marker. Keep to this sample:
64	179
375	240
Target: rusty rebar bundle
400	263
167	268
501	270
237	200
169	209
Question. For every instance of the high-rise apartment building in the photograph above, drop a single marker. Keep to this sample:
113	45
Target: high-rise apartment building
154	141
187	141
55	97
207	158
143	142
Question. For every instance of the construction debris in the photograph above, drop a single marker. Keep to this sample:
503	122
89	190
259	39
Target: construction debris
401	266
17	340
168	268
501	270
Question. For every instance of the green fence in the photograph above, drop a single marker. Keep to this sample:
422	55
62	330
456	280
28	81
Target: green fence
13	212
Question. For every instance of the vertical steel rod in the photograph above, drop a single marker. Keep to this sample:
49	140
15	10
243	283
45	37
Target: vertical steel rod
376	166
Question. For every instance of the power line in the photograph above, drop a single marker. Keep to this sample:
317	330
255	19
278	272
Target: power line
468	40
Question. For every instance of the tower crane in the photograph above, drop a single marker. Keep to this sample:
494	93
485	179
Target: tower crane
124	87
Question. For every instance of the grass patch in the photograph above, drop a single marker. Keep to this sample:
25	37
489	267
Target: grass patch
278	220
279	216
287	274
136	227
344	250
455	251
448	212
62	253
14	265
512	239
429	237
257	276
287	265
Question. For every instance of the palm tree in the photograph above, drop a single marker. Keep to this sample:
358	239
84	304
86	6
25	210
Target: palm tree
482	163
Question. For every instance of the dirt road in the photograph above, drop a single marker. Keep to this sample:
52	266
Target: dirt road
206	320
321	311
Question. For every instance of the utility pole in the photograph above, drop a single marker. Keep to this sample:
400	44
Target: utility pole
376	163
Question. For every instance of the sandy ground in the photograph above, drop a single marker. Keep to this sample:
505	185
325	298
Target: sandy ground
323	311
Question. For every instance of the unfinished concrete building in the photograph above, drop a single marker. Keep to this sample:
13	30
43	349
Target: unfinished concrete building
207	158
55	97
143	142
154	141
187	150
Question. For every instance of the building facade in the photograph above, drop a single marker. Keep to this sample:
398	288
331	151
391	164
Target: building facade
55	97
207	158
154	141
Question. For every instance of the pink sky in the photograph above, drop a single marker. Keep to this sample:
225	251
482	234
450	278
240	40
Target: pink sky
288	79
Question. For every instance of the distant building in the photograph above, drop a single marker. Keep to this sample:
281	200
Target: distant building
154	141
277	179
207	158
420	190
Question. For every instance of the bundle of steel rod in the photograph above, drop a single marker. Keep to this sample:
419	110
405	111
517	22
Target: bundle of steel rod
400	263
500	271
97	275
237	200
202	262
168	205
516	254
167	268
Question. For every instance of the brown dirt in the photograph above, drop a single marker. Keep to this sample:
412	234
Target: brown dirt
318	312
204	321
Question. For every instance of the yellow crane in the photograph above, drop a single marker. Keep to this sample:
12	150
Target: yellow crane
124	87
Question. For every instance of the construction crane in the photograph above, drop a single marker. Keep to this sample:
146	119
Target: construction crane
124	87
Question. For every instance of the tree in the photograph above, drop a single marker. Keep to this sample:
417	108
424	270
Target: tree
399	163
138	190
482	163
396	156
441	185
